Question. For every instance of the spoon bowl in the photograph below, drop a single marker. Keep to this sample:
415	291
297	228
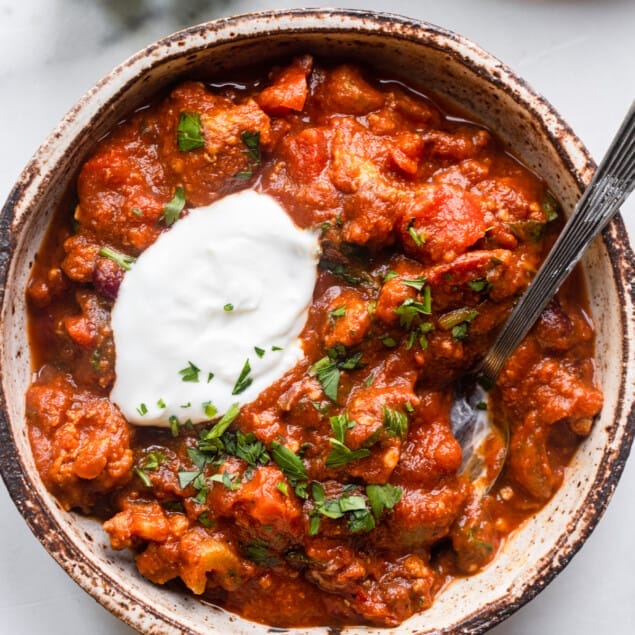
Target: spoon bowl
613	181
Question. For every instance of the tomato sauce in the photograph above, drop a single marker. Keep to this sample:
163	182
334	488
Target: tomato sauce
336	497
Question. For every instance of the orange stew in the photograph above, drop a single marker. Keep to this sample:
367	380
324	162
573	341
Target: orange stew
336	497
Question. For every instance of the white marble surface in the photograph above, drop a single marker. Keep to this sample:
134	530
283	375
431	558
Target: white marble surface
580	54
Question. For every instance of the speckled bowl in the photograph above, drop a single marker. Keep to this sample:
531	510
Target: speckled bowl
447	64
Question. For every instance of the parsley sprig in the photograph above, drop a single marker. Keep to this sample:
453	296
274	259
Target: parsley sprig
327	370
362	513
189	133
123	260
174	207
340	454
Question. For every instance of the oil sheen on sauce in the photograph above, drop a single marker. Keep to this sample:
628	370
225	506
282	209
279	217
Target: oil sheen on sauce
219	298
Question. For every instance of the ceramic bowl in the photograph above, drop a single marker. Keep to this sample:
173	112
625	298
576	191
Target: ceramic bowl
445	63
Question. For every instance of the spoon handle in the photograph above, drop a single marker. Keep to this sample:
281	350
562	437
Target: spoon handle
612	182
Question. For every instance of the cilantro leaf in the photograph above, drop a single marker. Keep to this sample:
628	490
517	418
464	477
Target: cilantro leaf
123	260
383	497
189	132
174	207
187	477
340	424
415	283
258	552
340	454
190	373
339	312
289	463
252	143
395	422
244	381
328	374
143	476
224	422
410	308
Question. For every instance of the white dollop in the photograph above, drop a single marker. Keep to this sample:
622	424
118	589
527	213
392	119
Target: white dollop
243	250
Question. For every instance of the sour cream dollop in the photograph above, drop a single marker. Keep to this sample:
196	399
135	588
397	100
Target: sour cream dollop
227	288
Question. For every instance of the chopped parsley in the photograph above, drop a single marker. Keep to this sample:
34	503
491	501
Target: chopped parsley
190	373
258	552
395	422
123	260
174	207
209	409
251	140
478	284
143	476
244	380
457	322
252	143
289	463
189	132
205	520
352	506
161	403
383	498
388	341
227	479
339	312
223	423
340	454
228	307
327	370
410	309
247	447
550	207
259	351
340	424
341	271
418	238
142	409
416	283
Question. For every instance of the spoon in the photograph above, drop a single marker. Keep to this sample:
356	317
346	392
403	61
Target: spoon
612	182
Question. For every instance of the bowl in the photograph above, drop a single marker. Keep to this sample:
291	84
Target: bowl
462	73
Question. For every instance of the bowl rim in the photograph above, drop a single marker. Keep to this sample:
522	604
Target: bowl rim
40	170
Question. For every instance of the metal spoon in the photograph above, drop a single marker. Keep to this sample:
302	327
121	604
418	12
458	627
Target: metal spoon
613	181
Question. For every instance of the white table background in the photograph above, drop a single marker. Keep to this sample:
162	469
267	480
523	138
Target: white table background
580	54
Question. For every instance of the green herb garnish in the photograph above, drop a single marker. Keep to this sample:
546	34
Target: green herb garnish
418	238
189	133
395	422
340	454
174	207
142	409
339	312
209	409
223	423
383	498
410	308
289	463
244	380
123	260
415	283
143	476
190	373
